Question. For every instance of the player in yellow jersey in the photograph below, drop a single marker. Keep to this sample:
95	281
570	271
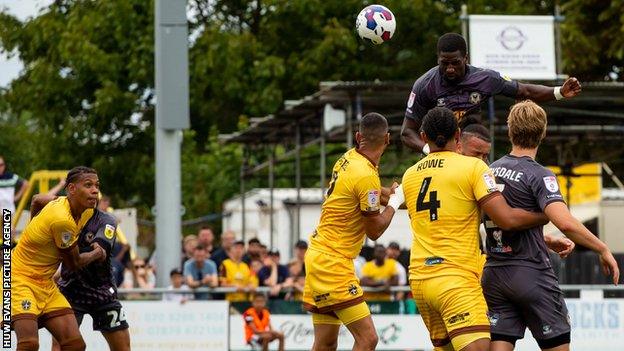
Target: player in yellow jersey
443	194
351	212
48	239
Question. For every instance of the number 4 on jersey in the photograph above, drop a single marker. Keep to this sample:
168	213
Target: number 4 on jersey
432	205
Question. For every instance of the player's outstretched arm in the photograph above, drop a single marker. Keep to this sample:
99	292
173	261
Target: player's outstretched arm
539	93
410	136
561	217
509	218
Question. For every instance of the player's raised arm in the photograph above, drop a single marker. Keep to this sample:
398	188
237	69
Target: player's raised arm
561	217
376	223
539	93
509	218
410	136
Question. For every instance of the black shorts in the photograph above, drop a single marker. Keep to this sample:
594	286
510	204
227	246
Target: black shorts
106	318
519	297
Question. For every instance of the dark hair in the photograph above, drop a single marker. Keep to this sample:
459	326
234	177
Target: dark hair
253	241
175	271
204	227
394	245
76	173
380	246
440	125
476	130
200	247
239	242
374	128
451	42
257	295
301	244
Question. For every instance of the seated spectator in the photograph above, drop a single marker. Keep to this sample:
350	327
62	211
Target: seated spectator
201	272
258	328
296	271
380	272
254	246
189	244
205	236
236	273
393	252
177	283
220	254
274	275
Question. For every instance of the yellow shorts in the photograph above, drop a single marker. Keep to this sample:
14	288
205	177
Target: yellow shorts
453	309
330	283
344	316
36	299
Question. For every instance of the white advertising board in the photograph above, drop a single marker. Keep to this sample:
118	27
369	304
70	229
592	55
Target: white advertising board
520	47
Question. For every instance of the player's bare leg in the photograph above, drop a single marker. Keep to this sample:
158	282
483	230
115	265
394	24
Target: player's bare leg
365	335
64	328
325	337
501	346
27	334
478	345
55	345
118	340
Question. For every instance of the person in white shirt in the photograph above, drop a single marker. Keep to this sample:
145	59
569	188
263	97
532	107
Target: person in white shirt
177	280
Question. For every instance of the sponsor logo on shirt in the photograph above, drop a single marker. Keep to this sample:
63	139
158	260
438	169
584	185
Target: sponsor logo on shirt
431	261
475	98
373	200
109	232
321	297
551	184
490	183
65	239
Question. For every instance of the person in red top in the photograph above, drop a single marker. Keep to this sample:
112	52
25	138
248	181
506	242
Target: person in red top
258	329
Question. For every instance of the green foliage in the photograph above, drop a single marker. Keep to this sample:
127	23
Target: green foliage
86	93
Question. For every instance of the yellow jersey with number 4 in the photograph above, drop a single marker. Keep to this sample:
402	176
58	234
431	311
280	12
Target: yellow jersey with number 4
354	191
442	194
38	253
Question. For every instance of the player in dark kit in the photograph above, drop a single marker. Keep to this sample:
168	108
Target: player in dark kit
520	287
456	85
92	290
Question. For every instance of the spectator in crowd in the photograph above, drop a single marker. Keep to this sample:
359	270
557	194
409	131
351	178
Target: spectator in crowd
189	244
177	283
275	275
236	273
258	329
205	236
297	273
380	272
254	247
12	187
227	240
255	265
201	272
393	252
141	277
264	252
301	247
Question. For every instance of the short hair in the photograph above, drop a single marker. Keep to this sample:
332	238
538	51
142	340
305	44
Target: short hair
451	42
258	295
394	245
253	241
440	125
200	247
374	128
76	173
239	243
301	244
527	124
175	271
204	227
476	130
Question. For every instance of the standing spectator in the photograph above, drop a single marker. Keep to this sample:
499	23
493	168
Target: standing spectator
189	244
258	329
274	275
201	271
301	247
380	272
177	283
12	187
254	247
236	273
255	265
297	273
205	236
393	252
227	240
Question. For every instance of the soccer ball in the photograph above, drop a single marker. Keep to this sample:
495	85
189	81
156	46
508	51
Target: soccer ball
375	23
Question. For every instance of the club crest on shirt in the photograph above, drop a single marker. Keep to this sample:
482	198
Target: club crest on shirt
441	102
89	237
410	101
475	98
353	290
109	231
373	200
551	184
26	305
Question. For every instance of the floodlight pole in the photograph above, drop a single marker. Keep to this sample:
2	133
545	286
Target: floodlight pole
172	116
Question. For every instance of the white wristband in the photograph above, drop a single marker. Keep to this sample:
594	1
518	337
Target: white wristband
557	93
426	149
397	199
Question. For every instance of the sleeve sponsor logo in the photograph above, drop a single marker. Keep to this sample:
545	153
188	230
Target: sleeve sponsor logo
410	101
109	232
490	183
373	200
65	239
551	184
